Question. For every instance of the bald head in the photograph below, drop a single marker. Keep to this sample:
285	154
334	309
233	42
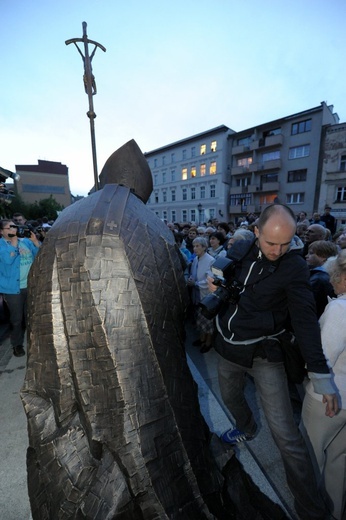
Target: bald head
314	232
275	230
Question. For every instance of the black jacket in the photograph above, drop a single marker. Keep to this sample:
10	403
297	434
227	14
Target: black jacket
276	296
321	288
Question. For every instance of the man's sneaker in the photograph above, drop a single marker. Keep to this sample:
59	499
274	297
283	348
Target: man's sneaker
18	351
233	436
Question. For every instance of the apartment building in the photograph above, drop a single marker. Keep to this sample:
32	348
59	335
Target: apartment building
42	180
279	161
333	179
189	177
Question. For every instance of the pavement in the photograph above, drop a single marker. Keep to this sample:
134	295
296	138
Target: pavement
260	457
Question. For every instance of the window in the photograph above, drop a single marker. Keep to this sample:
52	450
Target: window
211	213
172	157
301	127
202	170
155	179
245	161
203	149
163	159
193	215
271	156
184	193
193	151
244	141
155	163
299	151
193	172
164	215
267	199
243	199
243	181
172	175
213	146
184	215
193	193
163	177
341	194
294	198
156	198
296	175
202	192
343	163
157	213
184	174
212	191
184	154
212	168
274	131
270	177
173	215
164	196
173	196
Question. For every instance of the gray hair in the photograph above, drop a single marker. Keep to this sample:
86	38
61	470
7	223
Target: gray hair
336	266
201	240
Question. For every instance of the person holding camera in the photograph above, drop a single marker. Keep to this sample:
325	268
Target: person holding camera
274	298
16	257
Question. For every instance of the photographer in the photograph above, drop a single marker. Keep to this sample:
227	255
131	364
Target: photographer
16	257
274	292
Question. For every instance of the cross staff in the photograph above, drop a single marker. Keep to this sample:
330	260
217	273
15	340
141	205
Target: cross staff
90	88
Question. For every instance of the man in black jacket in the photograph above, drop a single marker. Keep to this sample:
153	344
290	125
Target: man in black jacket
275	295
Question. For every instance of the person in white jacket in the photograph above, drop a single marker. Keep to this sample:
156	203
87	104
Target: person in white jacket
326	435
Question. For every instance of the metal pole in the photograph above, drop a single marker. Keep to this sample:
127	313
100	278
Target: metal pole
90	88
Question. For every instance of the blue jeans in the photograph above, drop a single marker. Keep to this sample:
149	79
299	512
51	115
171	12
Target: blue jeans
271	384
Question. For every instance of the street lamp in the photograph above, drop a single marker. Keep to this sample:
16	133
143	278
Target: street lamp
200	208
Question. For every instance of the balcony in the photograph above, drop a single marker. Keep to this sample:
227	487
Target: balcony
236	170
239	190
270	165
237	150
270	186
267	142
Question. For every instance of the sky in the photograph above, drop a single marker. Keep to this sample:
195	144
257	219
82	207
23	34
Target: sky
171	69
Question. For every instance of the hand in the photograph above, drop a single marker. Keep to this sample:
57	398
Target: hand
332	407
34	239
211	286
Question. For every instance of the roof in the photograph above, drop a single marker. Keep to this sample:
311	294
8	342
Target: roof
44	167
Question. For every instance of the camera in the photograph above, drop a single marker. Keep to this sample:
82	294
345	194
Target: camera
24	231
228	288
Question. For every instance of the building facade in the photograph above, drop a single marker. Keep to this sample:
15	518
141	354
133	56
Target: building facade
333	181
280	161
189	177
40	181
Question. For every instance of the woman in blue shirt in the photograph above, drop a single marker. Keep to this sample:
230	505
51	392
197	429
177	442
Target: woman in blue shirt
16	258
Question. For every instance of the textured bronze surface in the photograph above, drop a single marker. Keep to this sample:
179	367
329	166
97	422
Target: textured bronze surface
115	430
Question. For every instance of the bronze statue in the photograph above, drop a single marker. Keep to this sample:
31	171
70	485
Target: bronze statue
115	430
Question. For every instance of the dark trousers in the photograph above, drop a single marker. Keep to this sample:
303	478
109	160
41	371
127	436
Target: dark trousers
17	307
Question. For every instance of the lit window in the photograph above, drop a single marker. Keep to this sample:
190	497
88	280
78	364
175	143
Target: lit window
203	170
299	151
202	192
203	149
193	171
213	146
244	161
212	190
184	194
294	198
193	193
302	126
184	174
212	168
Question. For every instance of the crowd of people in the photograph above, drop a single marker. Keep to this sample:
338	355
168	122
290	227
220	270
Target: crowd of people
19	244
285	324
279	302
